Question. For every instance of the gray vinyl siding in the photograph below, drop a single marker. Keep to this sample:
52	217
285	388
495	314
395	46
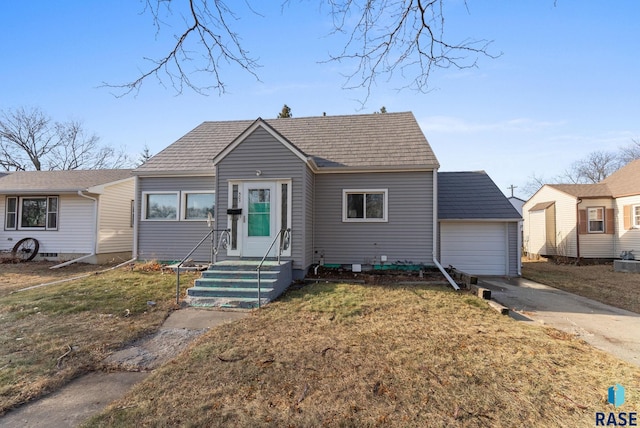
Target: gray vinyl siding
408	234
261	151
513	252
309	217
172	240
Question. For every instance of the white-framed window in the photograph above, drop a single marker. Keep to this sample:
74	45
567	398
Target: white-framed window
595	220
158	206
364	205
31	213
635	214
196	205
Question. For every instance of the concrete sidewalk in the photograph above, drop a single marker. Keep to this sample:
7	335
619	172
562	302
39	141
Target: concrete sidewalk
90	394
610	329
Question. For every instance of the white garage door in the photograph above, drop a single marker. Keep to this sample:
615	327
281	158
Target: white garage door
474	248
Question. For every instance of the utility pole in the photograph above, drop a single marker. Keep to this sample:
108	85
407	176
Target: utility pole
512	187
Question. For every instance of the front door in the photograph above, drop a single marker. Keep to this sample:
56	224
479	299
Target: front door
259	219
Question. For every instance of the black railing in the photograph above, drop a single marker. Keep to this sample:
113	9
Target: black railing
285	241
223	240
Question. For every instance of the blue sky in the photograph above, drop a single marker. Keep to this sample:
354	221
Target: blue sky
567	82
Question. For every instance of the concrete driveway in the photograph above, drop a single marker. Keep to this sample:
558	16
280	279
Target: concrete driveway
610	329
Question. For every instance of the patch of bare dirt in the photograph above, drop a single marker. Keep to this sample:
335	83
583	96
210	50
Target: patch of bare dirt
377	277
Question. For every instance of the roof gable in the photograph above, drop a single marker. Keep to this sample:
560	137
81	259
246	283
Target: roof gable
356	141
472	195
259	123
625	181
60	181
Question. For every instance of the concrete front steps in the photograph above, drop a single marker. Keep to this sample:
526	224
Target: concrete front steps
234	284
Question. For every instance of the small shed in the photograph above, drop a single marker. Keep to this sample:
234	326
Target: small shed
478	226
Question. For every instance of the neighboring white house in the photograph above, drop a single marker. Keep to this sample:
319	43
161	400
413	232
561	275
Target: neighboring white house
585	220
70	214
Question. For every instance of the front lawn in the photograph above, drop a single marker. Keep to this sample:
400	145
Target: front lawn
399	356
51	334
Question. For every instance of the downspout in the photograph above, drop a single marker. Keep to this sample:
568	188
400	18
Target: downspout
579	201
95	233
435	232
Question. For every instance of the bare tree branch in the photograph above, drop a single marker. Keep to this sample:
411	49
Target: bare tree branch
30	141
399	36
206	42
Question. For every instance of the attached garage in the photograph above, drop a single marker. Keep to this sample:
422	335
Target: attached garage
478	248
479	229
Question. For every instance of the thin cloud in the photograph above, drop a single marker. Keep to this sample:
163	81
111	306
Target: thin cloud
449	124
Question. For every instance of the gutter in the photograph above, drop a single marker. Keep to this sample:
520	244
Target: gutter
435	233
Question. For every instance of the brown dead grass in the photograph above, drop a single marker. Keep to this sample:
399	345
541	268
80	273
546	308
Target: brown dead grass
399	356
14	276
597	282
51	334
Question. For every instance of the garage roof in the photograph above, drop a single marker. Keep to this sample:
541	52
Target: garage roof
472	195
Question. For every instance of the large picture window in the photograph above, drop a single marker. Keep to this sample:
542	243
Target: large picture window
595	218
178	205
197	205
364	205
160	206
31	212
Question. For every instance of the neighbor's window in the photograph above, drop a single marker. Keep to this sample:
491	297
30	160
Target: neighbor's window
198	205
364	205
11	216
32	212
636	216
596	219
160	206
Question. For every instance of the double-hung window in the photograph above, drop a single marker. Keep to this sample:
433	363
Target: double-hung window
364	205
595	218
635	213
31	213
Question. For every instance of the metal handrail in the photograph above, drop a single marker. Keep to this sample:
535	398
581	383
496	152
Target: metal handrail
283	232
214	253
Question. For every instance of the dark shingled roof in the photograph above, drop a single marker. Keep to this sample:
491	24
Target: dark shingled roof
472	195
359	141
59	181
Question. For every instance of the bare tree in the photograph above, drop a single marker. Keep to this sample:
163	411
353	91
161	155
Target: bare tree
26	137
630	152
595	167
30	140
383	37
